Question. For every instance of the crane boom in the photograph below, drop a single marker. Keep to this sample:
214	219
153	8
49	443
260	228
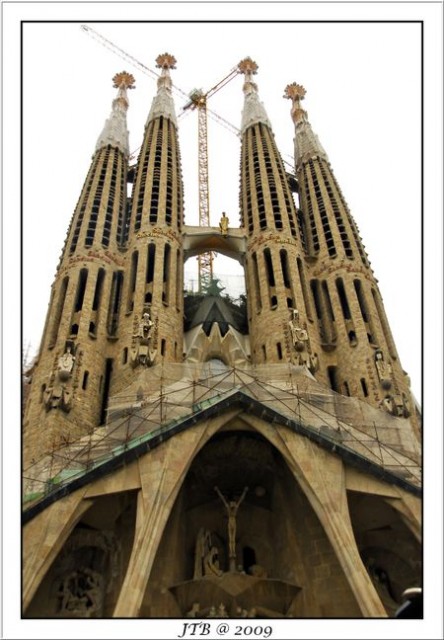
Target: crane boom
196	100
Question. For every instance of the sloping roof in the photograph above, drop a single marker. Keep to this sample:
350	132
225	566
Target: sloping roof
326	438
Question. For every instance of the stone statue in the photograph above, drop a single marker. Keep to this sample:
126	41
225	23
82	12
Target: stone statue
384	370
145	326
299	336
223	224
232	508
193	611
211	563
203	546
65	364
144	341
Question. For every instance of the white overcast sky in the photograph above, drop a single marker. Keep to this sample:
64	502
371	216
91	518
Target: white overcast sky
363	83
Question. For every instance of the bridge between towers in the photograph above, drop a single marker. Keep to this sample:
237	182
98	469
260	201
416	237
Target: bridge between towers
198	240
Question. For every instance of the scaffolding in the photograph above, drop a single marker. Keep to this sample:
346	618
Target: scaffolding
180	395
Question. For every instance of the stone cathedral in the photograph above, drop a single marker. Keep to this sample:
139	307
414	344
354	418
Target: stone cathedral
190	455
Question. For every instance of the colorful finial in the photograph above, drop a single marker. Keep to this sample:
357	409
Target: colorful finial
248	66
253	110
166	61
296	92
163	103
123	80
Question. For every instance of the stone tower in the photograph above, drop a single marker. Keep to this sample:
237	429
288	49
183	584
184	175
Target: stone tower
188	455
72	374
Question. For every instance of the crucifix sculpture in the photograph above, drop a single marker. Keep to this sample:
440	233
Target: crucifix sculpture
231	507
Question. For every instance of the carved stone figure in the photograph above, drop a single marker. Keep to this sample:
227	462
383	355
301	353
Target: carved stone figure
192	613
299	335
144	341
203	546
58	396
384	370
232	508
145	327
81	594
65	364
398	405
223	224
211	563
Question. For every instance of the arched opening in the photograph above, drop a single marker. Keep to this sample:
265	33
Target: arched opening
243	534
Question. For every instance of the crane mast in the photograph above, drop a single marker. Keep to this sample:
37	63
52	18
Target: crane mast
198	100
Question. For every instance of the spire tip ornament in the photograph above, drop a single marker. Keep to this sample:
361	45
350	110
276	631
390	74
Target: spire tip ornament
123	80
248	66
166	61
294	91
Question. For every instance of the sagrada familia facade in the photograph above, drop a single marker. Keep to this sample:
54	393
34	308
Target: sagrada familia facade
190	455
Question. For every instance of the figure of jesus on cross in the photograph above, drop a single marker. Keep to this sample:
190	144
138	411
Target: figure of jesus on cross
232	507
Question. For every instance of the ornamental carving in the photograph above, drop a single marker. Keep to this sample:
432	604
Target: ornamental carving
123	80
300	349
58	394
144	340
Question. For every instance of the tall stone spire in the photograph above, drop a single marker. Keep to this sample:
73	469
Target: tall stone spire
115	131
306	142
163	104
254	110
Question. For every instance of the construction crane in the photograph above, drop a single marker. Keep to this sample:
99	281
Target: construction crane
198	100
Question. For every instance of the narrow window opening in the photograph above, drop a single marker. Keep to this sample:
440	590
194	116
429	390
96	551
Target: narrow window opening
114	303
256	282
132	283
85	380
81	287
364	387
163	347
269	267
106	387
279	350
58	312
166	274
333	378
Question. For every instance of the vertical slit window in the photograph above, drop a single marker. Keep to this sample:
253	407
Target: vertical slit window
256	282
132	282
284	266
305	295
106	387
114	303
149	275
58	312
270	278
166	274
364	387
96	301
279	350
364	310
384	324
178	279
81	287
332	373
85	380
343	299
